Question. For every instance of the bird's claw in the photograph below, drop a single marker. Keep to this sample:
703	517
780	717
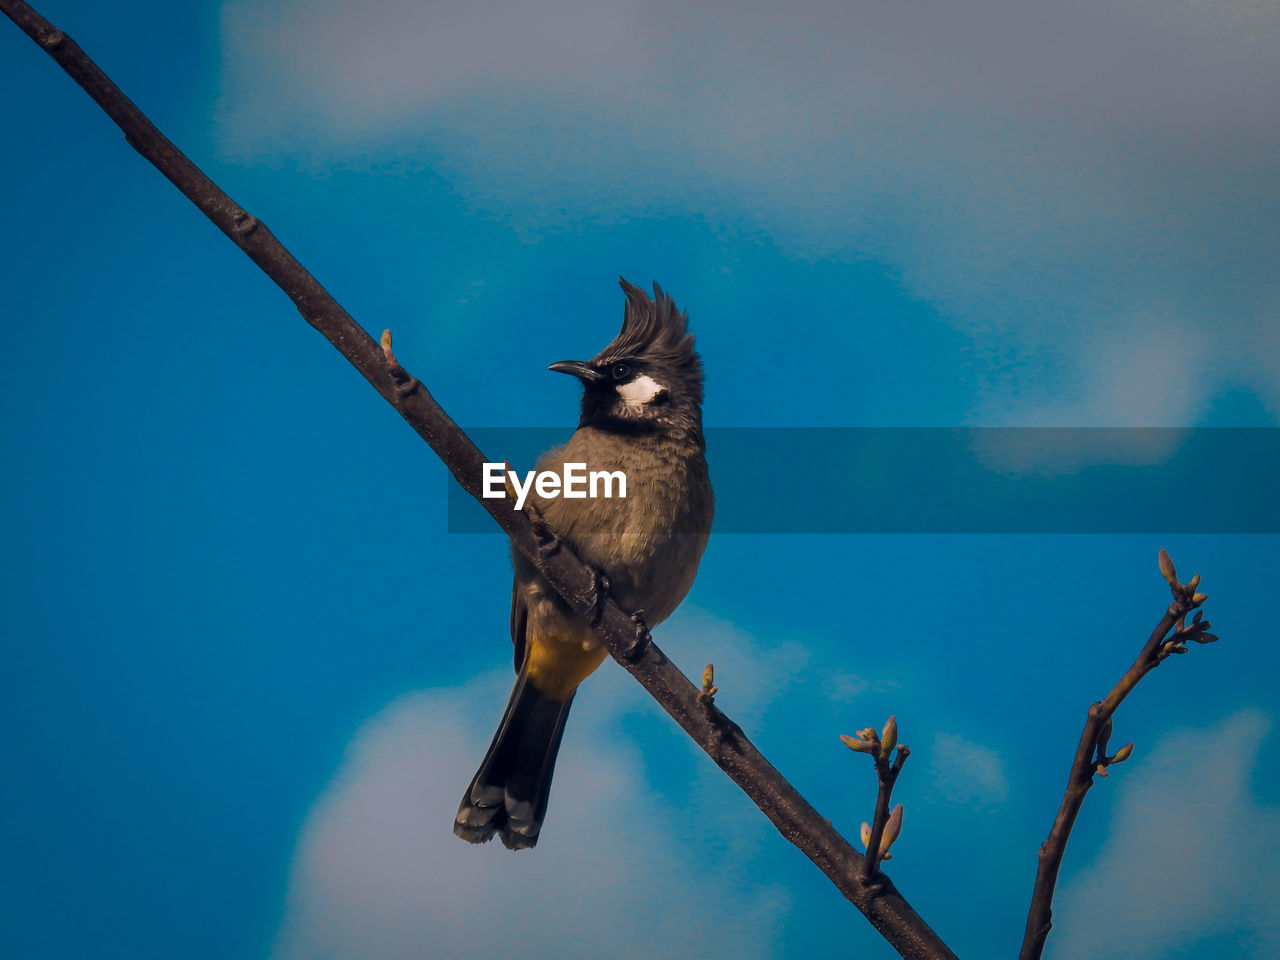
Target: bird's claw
640	642
547	541
598	595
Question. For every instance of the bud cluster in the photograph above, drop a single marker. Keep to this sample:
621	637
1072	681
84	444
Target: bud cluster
1187	595
880	746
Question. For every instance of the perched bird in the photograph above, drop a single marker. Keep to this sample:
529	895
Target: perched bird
641	414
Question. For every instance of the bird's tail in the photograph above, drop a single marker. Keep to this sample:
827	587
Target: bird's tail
508	795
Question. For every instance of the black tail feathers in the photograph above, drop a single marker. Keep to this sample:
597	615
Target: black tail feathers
508	795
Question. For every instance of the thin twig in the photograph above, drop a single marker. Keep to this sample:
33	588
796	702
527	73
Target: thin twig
886	777
879	746
794	818
1091	758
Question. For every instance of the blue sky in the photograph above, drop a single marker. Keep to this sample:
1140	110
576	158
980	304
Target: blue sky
249	672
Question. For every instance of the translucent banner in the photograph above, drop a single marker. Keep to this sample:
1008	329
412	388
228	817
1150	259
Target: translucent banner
964	480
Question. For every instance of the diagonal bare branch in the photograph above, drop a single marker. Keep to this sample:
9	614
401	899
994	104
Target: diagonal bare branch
617	629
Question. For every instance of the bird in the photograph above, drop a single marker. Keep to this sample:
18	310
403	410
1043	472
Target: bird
642	414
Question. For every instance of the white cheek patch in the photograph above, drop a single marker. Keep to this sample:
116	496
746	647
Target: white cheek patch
639	391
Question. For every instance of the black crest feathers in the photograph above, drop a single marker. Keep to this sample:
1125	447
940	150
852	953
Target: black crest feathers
652	328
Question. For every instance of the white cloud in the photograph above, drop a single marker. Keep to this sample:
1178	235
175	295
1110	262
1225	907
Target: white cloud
1086	191
842	687
620	871
1190	854
966	772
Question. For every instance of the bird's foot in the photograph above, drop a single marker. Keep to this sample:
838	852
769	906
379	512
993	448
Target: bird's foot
597	596
640	642
547	541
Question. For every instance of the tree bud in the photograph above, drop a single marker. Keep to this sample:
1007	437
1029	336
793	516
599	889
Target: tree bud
891	831
858	746
889	739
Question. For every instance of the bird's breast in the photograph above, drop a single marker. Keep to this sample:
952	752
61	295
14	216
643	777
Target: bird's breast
649	542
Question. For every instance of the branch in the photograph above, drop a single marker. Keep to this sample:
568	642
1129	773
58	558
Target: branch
878	835
1091	756
621	632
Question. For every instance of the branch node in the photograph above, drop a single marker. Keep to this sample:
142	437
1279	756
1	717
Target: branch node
406	384
246	223
874	886
53	39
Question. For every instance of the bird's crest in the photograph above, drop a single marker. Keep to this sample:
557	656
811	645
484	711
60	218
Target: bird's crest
652	328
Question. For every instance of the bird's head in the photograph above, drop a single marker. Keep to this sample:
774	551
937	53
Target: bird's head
649	377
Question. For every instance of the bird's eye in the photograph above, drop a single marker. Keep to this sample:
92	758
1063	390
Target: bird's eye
620	371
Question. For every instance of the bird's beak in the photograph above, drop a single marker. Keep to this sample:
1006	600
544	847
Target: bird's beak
578	369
